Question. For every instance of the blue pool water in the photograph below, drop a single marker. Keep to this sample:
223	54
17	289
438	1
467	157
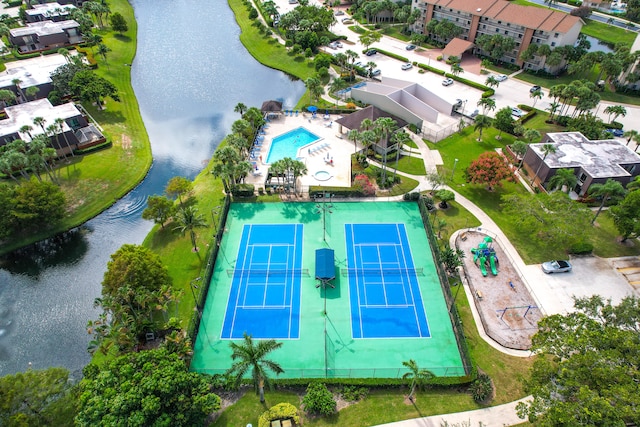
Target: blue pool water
288	144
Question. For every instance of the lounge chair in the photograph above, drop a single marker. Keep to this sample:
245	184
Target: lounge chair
296	113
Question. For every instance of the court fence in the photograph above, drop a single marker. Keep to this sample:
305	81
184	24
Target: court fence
446	290
205	282
358	373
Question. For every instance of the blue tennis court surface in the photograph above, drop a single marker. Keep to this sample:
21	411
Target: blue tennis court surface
264	299
384	293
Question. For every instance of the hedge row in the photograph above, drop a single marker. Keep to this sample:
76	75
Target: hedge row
93	148
393	55
317	190
430	68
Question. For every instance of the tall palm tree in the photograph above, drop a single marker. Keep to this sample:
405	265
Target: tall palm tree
26	129
536	95
631	134
386	126
298	168
354	135
520	148
240	108
17	82
416	376
251	358
563	178
40	121
60	129
487	104
482	122
189	219
456	69
610	190
615	111
546	150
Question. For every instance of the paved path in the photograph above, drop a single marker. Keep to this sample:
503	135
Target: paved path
501	415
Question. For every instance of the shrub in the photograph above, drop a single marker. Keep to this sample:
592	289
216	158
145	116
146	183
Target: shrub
243	190
428	203
411	196
281	411
253	14
481	389
319	400
581	248
362	183
351	393
323	72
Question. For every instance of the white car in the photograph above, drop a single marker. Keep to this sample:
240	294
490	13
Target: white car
501	77
517	112
407	66
447	82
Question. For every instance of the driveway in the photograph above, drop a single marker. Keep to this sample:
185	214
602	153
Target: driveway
590	276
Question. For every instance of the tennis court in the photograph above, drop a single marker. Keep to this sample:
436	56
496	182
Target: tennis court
265	288
383	283
387	305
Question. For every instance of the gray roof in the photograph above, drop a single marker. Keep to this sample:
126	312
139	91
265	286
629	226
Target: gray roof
599	158
32	72
44	28
353	120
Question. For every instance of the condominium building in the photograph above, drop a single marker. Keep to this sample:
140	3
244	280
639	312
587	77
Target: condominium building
526	25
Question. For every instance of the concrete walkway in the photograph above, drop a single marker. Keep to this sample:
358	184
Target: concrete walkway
501	415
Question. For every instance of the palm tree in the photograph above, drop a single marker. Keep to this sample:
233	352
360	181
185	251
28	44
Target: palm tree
486	104
386	125
546	150
40	121
416	375
492	81
17	82
610	190
354	135
456	69
563	178
298	168
252	358
189	219
482	122
536	95
519	148
103	49
59	124
615	111
631	134
399	138
553	109
240	108
315	88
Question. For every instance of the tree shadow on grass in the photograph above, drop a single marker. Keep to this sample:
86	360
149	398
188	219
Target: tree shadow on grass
122	38
110	117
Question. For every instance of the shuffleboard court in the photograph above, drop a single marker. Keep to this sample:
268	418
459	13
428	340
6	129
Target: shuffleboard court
385	296
264	299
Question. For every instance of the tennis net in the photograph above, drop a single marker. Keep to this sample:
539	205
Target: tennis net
386	271
257	272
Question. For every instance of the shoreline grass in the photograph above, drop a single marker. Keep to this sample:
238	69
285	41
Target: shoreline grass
94	182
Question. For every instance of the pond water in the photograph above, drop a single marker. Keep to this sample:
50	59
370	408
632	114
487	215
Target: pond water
187	78
597	45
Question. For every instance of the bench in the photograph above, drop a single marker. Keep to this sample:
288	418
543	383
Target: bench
479	294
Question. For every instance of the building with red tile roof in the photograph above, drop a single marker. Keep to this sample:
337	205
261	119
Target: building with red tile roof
526	25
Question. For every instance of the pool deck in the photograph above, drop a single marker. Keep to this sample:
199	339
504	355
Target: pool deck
332	143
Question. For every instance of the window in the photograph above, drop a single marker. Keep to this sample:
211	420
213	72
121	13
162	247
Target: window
556	35
484	26
506	32
513	60
457	19
553	44
508	24
583	178
497	30
499	22
519	36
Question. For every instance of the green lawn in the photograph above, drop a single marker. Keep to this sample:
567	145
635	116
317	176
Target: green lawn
608	33
465	148
94	182
409	164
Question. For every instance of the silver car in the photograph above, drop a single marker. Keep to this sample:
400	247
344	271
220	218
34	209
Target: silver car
556	266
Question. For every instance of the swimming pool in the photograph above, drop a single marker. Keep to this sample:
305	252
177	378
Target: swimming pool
288	144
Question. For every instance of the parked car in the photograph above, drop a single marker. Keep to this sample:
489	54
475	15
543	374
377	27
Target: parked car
556	266
410	47
501	77
358	64
337	42
517	112
340	13
347	21
616	132
447	82
407	66
475	113
376	72
534	88
371	52
333	45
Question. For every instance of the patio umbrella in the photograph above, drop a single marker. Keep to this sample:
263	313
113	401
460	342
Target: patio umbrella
312	108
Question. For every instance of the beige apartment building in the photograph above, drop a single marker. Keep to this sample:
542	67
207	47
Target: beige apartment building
524	24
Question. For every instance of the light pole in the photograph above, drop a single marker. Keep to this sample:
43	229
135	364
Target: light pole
455	162
193	287
428	60
214	213
464	105
323	209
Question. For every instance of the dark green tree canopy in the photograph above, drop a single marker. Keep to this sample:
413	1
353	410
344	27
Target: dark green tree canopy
118	23
149	388
587	373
